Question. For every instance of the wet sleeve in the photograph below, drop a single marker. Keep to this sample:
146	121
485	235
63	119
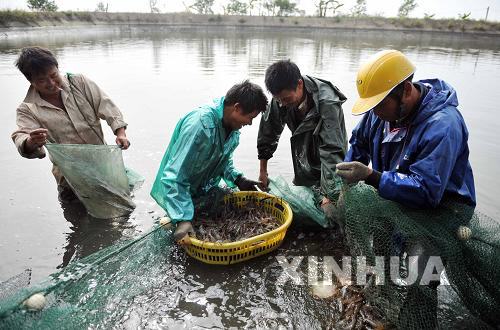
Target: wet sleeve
230	173
333	141
424	186
26	123
270	129
359	149
171	189
103	106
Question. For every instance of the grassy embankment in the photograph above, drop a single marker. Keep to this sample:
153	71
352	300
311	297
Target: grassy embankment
18	18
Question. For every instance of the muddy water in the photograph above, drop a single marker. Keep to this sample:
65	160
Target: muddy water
157	76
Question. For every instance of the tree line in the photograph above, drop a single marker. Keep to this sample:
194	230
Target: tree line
324	8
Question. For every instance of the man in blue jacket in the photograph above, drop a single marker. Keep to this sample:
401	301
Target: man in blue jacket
200	153
416	140
412	133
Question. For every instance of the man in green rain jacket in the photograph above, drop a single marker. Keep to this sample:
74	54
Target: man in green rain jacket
200	153
312	110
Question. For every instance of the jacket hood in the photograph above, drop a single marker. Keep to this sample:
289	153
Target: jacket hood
439	96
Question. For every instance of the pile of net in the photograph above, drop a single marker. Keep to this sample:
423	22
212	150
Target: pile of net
453	236
305	201
230	223
464	242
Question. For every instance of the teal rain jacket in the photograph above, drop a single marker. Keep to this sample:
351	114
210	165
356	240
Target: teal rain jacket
197	158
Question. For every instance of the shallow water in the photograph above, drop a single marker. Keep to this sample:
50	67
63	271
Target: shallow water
157	76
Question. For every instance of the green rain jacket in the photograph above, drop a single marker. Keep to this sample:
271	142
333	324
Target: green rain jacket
318	143
198	157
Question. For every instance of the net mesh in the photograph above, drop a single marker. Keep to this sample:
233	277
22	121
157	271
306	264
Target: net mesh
129	281
466	242
94	291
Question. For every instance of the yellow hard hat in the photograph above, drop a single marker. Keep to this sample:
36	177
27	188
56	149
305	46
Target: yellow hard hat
378	77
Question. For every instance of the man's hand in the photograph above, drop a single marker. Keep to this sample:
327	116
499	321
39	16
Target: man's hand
353	172
183	231
121	138
263	177
37	139
245	184
264	181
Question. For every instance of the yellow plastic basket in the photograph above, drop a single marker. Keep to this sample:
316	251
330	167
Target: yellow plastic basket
234	252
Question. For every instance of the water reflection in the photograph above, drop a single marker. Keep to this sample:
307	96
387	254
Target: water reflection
206	54
88	234
149	73
157	46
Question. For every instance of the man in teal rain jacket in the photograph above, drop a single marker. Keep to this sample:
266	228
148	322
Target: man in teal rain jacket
200	153
312	110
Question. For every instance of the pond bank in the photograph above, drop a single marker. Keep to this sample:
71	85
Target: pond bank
17	22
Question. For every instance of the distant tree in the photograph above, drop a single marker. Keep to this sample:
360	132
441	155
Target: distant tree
324	5
359	8
42	5
285	7
203	6
464	16
101	7
187	8
236	7
270	7
153	6
334	5
429	16
406	7
251	6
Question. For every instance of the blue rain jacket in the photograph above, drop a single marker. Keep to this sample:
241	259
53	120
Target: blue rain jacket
197	158
425	161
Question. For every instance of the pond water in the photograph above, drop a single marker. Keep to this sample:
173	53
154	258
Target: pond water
157	75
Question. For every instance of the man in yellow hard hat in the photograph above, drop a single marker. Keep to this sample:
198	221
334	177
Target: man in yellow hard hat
416	140
411	132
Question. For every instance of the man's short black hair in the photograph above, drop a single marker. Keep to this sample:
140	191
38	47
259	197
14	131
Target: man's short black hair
250	96
35	60
282	75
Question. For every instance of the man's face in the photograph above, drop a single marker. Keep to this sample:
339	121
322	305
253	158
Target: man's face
388	109
291	98
48	83
237	118
392	107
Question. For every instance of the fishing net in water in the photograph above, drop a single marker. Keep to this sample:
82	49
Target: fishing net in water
145	282
95	291
98	177
304	202
467	244
454	237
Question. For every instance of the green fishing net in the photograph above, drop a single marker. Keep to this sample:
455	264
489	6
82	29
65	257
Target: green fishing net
149	282
94	291
466	242
98	177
